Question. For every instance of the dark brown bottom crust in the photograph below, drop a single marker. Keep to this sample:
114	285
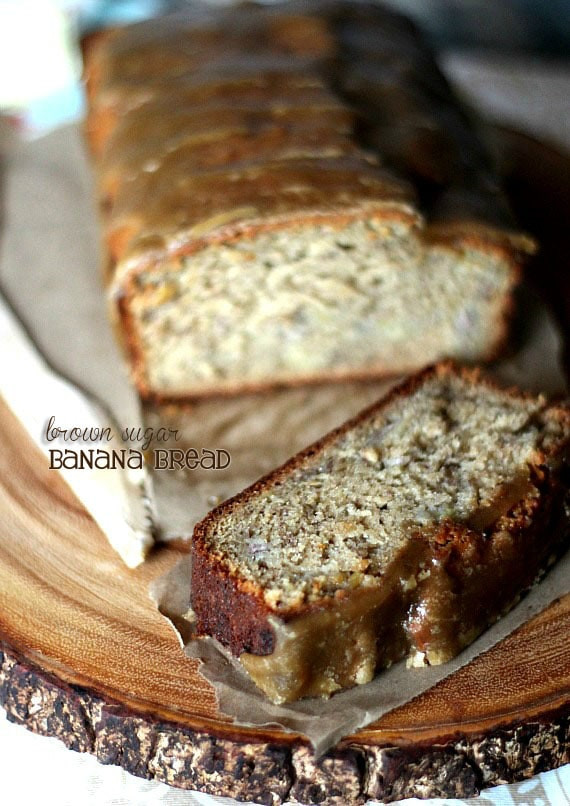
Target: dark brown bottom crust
273	773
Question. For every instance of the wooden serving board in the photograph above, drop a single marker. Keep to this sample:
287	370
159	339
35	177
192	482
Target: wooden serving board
86	657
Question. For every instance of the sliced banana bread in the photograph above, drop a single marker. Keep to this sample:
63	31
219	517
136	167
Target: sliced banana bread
292	193
405	532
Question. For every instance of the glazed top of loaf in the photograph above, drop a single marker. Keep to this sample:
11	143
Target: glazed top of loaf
209	123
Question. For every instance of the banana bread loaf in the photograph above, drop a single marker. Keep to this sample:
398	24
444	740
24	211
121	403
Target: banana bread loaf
292	193
405	532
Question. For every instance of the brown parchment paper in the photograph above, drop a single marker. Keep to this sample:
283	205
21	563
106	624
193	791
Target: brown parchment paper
325	722
49	270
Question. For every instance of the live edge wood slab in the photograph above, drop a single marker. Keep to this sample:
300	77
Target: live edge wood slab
85	657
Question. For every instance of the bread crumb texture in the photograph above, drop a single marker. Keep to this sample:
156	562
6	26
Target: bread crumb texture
274	305
335	521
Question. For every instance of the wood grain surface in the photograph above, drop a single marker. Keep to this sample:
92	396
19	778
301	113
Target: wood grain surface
86	657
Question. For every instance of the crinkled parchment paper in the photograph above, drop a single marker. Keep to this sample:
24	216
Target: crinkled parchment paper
49	271
324	722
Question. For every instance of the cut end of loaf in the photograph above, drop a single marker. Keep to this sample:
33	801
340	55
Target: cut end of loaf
251	161
322	299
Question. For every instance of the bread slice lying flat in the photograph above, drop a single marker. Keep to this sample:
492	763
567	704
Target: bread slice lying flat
405	532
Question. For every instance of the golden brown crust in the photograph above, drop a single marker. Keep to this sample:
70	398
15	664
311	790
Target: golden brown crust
374	60
508	550
159	219
180	105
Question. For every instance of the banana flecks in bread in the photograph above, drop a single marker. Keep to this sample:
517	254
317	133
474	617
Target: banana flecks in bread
407	532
